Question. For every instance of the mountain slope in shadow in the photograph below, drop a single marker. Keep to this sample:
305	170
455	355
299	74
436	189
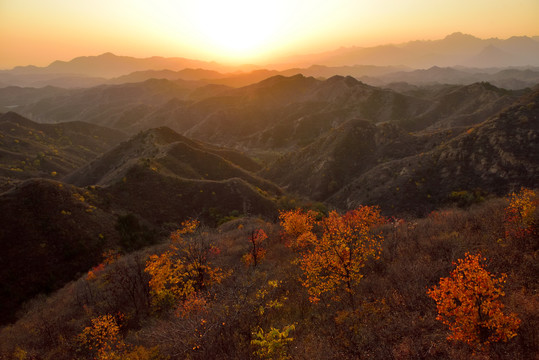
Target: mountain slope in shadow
361	163
49	233
496	156
164	177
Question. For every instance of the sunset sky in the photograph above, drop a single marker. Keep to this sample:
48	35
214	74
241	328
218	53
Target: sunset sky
38	32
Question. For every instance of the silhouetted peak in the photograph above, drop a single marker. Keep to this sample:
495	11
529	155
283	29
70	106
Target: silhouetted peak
524	40
335	78
157	82
162	134
107	55
484	85
441	70
280	79
460	36
348	80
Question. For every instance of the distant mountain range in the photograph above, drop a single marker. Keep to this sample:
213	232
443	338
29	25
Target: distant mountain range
456	59
109	65
277	113
454	50
122	150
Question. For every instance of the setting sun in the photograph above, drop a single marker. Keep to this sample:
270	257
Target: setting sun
239	28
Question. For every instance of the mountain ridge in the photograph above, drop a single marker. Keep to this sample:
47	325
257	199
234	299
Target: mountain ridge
456	49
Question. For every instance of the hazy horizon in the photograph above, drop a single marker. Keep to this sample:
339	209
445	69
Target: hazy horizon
241	32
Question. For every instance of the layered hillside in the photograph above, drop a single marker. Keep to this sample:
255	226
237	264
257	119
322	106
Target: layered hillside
361	163
108	105
328	164
164	176
13	97
274	114
463	106
127	198
30	149
497	156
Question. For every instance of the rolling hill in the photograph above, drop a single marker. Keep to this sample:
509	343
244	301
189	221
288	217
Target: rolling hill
277	113
360	163
30	149
164	176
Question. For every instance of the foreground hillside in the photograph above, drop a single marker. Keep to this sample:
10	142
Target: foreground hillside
50	232
243	311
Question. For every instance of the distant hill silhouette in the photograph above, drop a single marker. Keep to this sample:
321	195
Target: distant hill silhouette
512	79
109	65
455	49
109	105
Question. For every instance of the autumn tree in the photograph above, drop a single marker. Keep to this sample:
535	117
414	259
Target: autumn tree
520	214
273	344
256	251
297	227
103	337
184	269
468	301
333	251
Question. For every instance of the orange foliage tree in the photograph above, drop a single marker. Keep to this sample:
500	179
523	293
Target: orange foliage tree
256	252
519	215
296	223
184	269
103	337
468	301
333	250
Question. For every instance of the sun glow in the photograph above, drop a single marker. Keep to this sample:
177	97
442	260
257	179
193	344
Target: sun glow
38	32
239	28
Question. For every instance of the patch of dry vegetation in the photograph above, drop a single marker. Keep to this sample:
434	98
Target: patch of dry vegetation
265	311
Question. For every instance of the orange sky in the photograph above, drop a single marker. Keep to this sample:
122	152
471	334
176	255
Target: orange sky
38	32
